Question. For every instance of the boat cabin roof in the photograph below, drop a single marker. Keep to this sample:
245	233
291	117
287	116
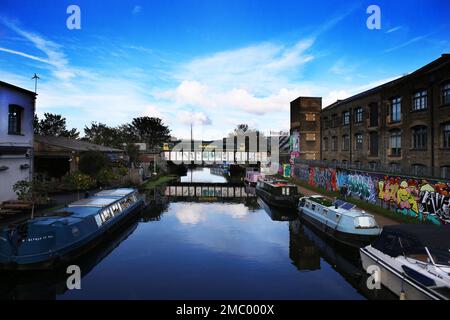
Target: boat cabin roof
338	206
115	193
279	183
426	234
96	202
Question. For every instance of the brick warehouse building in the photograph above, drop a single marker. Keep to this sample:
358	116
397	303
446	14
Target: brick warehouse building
402	126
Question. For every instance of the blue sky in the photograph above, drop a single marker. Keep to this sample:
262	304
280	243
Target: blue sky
216	63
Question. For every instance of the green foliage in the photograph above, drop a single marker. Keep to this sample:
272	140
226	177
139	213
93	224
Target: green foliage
53	125
93	162
79	181
151	131
133	152
107	176
33	191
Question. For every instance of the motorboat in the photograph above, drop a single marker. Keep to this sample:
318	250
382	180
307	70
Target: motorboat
412	261
339	220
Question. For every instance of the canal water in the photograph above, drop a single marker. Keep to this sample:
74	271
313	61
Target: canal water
204	237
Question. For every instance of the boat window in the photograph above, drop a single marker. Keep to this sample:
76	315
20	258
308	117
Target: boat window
388	244
325	212
287	191
365	222
440	256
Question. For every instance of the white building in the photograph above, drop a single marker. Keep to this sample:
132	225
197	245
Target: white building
16	137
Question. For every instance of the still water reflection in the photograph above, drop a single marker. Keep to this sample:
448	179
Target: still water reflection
207	246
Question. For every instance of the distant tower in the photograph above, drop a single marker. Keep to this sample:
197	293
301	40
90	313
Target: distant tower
305	128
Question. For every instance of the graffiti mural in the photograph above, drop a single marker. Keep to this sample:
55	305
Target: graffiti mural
423	199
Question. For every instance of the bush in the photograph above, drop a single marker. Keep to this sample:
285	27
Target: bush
93	162
33	191
78	181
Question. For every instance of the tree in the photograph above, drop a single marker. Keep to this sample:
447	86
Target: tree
93	162
101	134
151	131
132	151
53	125
32	191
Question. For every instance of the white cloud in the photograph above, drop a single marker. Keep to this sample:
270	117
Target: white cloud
137	9
195	118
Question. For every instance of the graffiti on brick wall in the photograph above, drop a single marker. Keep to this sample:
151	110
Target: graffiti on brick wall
422	199
359	185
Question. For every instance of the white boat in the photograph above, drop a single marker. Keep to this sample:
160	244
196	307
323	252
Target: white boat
339	220
413	261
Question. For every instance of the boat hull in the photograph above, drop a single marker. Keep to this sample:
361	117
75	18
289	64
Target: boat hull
345	238
395	281
60	257
281	202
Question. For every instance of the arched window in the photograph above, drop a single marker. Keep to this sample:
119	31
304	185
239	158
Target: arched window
325	144
420	100
396	109
359	141
419	137
395	142
334	143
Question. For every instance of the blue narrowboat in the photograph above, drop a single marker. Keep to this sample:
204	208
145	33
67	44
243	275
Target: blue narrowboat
64	234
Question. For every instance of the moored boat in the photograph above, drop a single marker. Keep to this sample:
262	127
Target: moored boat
66	233
339	220
252	177
412	261
278	193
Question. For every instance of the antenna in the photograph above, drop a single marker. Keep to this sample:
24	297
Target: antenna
35	78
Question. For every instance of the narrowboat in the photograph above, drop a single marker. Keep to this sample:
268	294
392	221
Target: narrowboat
412	261
252	177
276	214
339	220
278	193
64	234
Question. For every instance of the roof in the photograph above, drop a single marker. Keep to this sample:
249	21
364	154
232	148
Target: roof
428	235
443	59
73	144
114	193
13	87
93	202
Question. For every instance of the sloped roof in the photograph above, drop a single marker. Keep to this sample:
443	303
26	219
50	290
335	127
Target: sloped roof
444	59
11	86
72	144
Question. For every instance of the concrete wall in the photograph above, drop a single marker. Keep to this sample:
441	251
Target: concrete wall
14	172
411	196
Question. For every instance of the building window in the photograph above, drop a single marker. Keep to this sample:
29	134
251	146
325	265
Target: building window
395	167
373	114
358	164
325	122
446	135
344	163
335	120
334	143
359	141
310	137
395	143
346	142
419	137
373	166
346	118
15	119
420	100
310	117
325	144
446	93
419	170
374	144
445	172
359	115
396	110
